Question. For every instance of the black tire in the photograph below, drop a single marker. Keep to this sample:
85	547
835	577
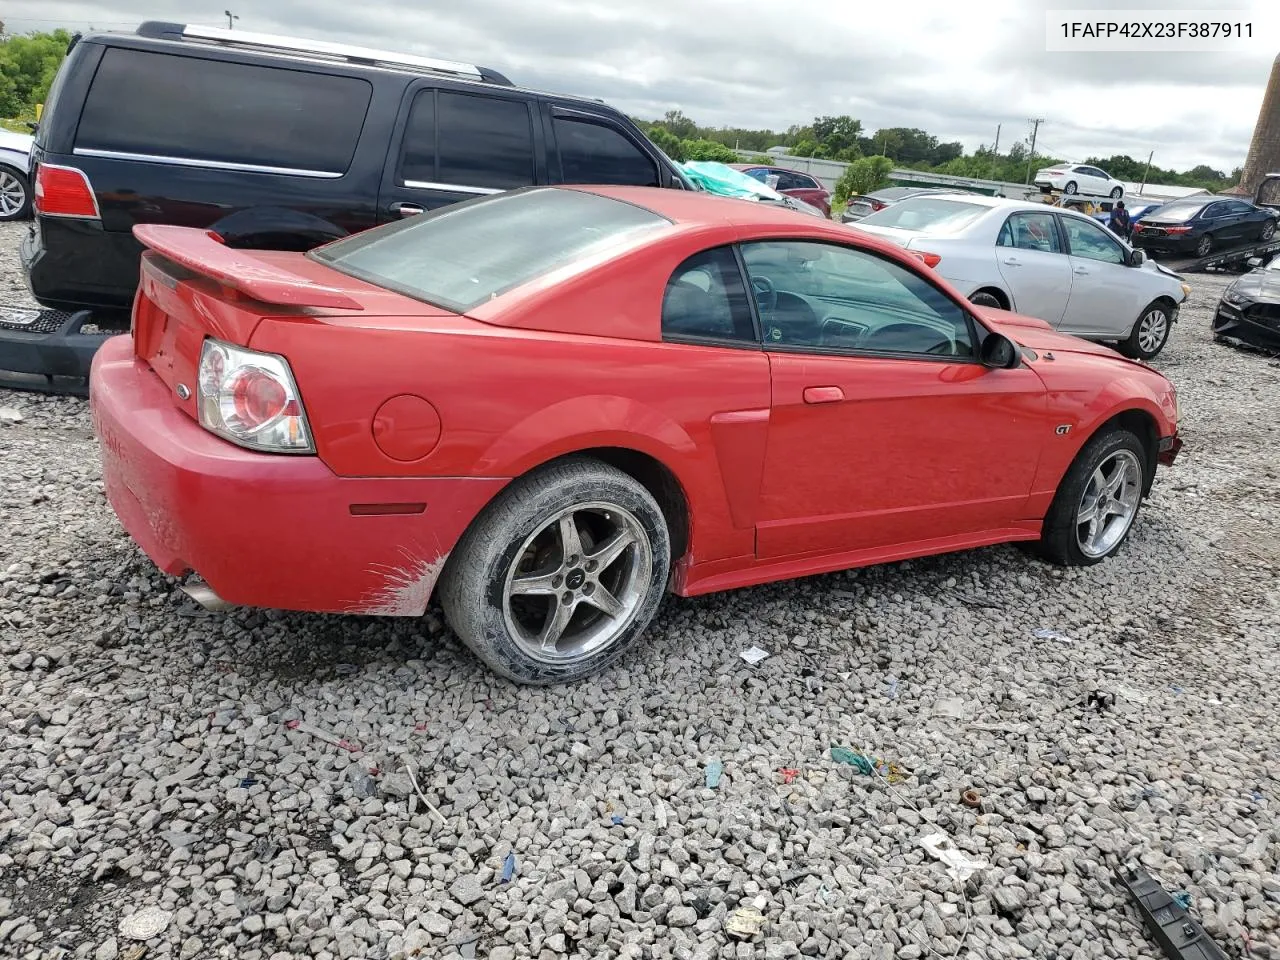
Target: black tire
473	586
1117	193
985	298
1059	540
1268	231
1204	245
1070	187
1139	344
14	181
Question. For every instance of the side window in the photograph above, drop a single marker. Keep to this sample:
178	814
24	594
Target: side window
706	300
595	153
178	107
1030	231
483	141
1091	242
418	152
804	182
824	297
1236	208
1214	210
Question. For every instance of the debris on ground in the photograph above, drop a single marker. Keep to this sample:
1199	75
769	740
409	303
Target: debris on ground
146	923
1045	634
744	923
971	798
959	864
303	727
509	867
789	774
1180	935
10	415
753	655
952	707
715	769
868	766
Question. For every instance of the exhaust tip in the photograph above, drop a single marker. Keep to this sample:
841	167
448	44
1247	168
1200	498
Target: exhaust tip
203	594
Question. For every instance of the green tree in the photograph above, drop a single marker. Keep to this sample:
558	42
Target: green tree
862	176
28	63
667	142
679	124
804	148
837	133
707	150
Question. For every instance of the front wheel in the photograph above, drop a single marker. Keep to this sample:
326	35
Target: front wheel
1150	333
15	195
1097	501
1117	193
1268	231
560	574
984	298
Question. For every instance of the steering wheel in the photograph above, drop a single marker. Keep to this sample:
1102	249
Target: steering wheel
766	295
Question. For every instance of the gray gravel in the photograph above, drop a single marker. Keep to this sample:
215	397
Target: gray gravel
149	758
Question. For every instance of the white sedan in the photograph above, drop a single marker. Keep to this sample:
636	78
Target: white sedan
1041	261
1079	178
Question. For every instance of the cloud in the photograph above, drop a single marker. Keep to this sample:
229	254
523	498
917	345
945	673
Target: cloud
956	70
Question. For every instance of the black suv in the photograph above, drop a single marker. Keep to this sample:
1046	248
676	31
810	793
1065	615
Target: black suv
273	142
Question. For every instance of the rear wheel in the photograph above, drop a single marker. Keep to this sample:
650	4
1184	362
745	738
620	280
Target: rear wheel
1150	333
1070	187
1097	501
1204	245
15	195
1117	193
1268	231
985	298
560	574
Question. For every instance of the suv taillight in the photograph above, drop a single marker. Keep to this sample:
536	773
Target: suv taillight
64	192
250	398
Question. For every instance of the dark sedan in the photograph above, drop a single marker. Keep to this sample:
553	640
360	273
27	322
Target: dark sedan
1199	225
1250	308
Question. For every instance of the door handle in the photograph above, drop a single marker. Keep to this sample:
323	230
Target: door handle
1013	262
407	209
823	394
1081	270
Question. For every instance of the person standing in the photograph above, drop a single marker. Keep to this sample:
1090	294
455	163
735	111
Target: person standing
1119	220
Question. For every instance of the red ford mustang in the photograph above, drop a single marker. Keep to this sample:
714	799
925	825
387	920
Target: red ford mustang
552	405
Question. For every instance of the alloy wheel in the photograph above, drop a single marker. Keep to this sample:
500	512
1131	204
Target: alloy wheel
577	582
13	194
1109	503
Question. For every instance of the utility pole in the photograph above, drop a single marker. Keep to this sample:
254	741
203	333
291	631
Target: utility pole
995	152
1146	172
1035	128
230	17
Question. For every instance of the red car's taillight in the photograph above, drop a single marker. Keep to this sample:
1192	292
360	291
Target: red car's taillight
64	192
250	398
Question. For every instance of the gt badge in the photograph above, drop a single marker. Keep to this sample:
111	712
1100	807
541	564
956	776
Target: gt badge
1063	429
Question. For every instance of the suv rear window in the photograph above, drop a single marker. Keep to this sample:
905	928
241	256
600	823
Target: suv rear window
186	108
461	255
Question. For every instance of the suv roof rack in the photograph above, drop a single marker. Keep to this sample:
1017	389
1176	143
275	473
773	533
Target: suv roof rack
298	46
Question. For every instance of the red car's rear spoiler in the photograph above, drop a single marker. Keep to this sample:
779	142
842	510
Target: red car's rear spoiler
204	252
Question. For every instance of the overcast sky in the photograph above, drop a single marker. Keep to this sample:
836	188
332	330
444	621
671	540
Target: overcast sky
956	68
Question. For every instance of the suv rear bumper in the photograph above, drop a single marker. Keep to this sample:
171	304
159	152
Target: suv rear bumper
267	530
77	265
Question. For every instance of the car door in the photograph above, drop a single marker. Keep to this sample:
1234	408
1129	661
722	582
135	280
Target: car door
1032	260
1248	220
884	429
454	144
1106	293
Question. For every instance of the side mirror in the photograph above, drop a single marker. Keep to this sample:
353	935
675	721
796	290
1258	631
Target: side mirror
1136	257
999	352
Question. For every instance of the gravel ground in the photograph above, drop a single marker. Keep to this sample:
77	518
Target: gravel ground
149	756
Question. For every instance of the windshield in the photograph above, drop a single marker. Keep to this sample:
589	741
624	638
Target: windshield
464	254
932	214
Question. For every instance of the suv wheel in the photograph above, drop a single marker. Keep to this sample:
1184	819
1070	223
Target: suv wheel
15	195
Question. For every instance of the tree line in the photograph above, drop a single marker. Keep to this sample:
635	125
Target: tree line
843	138
28	63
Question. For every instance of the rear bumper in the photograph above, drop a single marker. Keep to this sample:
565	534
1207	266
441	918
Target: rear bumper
1172	244
76	265
260	529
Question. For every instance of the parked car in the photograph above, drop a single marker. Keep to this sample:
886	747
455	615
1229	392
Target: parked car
1079	178
1249	309
595	395
864	205
282	143
1197	225
1043	261
15	169
725	180
792	183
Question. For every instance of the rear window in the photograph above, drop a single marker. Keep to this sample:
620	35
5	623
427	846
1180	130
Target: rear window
1178	212
933	214
461	255
186	108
